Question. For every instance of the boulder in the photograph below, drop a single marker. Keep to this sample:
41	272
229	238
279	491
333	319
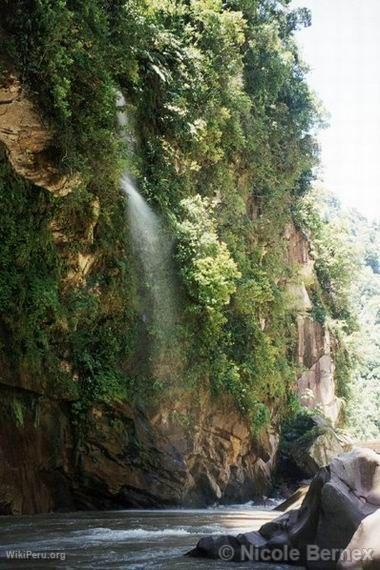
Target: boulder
340	497
351	494
364	549
311	445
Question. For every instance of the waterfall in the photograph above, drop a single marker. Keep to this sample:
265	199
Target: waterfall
151	244
153	248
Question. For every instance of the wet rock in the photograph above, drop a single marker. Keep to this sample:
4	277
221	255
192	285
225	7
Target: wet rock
222	547
161	459
36	453
128	458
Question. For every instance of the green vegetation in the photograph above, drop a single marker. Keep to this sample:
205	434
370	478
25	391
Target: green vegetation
29	300
224	151
346	248
364	390
336	257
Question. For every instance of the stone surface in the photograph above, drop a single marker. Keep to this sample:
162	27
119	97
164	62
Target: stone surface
161	460
363	550
295	500
316	385
36	456
340	497
318	448
27	138
127	457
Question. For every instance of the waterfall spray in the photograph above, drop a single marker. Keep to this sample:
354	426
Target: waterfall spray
153	248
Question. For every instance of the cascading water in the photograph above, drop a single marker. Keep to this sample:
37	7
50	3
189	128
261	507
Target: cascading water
154	249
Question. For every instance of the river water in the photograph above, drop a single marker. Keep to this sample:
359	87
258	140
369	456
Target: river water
133	539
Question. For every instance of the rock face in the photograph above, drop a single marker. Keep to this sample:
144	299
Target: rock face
189	453
338	500
27	139
316	448
316	385
194	453
178	454
127	458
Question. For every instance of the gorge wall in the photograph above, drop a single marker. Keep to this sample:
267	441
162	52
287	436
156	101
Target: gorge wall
191	453
222	115
195	452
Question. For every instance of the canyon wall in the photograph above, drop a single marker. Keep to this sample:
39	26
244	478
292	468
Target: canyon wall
196	452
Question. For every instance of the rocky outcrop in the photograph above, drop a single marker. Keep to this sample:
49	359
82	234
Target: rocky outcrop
366	545
338	500
126	457
315	448
316	386
27	139
314	354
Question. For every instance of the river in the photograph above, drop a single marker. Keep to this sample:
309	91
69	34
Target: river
133	539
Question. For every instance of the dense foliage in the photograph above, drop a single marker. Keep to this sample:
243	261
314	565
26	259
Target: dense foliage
224	150
346	297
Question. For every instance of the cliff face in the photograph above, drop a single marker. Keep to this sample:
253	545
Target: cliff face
223	153
196	453
128	458
315	347
192	453
27	139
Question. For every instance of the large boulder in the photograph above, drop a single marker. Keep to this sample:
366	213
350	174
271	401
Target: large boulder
364	549
340	497
351	494
309	443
